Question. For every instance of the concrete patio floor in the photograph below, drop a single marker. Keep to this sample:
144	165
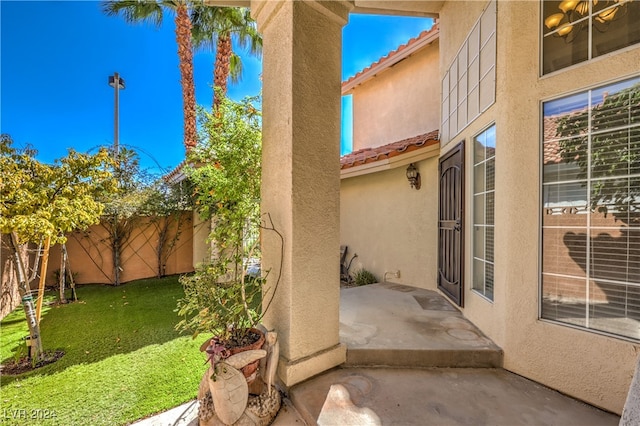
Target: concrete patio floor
413	359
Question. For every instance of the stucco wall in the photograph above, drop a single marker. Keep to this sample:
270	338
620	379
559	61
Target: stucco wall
595	368
91	260
398	103
201	247
392	226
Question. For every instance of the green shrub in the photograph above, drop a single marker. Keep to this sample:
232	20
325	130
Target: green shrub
364	277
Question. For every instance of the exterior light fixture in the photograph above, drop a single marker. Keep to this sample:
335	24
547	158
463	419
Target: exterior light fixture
413	176
117	83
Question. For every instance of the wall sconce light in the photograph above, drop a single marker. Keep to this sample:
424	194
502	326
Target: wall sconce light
413	176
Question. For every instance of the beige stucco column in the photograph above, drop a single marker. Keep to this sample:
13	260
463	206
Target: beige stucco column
301	180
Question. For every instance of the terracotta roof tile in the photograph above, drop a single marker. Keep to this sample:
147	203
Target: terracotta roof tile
370	155
175	174
391	55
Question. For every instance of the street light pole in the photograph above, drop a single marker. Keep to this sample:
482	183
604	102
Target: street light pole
117	83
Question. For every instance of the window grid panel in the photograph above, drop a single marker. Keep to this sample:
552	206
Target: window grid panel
483	210
475	60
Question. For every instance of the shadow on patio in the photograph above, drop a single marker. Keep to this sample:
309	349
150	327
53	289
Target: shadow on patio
413	359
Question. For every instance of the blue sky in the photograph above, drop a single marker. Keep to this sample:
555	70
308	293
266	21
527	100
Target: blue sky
56	57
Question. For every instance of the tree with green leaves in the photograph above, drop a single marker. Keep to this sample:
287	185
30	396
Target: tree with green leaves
40	201
219	297
143	200
152	11
123	209
216	28
167	206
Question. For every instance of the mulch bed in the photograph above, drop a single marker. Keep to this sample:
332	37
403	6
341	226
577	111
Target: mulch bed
24	365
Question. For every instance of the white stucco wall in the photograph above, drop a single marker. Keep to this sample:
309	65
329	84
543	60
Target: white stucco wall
398	103
392	226
387	223
595	368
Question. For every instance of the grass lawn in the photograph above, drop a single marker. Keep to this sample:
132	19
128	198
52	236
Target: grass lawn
123	360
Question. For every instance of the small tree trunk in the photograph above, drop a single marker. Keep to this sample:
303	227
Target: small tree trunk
73	283
63	272
43	276
35	350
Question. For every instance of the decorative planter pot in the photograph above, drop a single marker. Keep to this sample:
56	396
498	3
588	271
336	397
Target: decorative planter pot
250	369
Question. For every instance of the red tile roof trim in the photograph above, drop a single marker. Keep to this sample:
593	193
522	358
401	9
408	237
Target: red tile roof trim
370	155
175	174
423	39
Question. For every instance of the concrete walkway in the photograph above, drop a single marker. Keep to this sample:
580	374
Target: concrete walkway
413	359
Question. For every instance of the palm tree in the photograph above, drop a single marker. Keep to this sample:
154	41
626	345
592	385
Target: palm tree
134	11
216	27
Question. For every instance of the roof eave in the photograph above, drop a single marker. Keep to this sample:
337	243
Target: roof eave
429	151
387	63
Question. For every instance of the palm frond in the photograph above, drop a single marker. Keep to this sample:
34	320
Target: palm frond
235	68
134	11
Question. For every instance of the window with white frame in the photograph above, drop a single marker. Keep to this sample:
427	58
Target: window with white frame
469	85
577	31
484	161
590	269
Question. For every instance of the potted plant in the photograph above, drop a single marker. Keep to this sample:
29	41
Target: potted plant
222	298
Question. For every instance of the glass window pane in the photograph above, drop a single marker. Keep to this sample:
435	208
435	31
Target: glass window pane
564	251
564	299
558	53
478	209
488	280
616	27
610	154
559	109
617	198
491	174
478	178
615	308
614	254
634	149
490	140
479	149
591	209
568	28
478	242
565	204
490	208
488	247
549	8
565	159
478	275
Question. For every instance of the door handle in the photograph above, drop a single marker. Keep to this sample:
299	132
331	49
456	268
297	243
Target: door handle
457	226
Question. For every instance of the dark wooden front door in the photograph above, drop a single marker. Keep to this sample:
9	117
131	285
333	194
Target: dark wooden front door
451	225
